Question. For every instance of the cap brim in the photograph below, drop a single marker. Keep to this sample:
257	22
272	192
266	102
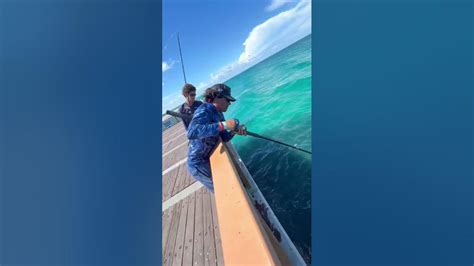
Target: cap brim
230	98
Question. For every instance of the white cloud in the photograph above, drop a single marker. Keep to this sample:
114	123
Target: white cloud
166	65
277	32
268	38
201	86
275	4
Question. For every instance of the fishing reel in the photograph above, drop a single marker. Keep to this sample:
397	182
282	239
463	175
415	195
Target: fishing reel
238	126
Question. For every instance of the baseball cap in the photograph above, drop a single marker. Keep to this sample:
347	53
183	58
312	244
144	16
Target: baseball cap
223	91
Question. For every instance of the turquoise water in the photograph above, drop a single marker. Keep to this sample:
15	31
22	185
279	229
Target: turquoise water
274	100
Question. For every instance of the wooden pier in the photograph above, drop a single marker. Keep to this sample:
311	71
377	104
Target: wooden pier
190	228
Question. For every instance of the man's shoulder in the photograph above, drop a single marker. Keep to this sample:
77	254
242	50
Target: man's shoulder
202	107
196	104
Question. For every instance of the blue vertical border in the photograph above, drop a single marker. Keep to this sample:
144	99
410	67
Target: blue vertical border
392	132
80	147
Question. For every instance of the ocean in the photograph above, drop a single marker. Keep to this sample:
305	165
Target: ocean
274	100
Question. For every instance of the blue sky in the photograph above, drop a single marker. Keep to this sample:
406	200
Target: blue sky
220	39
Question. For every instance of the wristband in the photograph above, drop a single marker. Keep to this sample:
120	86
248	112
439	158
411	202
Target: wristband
224	125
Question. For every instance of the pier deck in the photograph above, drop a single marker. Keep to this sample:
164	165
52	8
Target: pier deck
190	230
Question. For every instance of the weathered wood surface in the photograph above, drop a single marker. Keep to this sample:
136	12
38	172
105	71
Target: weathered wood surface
190	228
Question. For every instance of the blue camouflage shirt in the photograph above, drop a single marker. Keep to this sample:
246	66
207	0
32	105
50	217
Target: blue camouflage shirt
203	133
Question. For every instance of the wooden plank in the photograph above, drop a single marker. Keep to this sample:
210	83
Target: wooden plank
171	141
217	234
166	161
198	256
176	189
175	142
172	178
168	146
168	256
165	146
172	160
166	224
173	137
186	174
166	133
209	240
169	190
181	149
186	178
189	179
180	240
181	139
167	180
174	157
189	237
169	133
167	234
177	127
180	185
165	137
164	185
181	152
179	180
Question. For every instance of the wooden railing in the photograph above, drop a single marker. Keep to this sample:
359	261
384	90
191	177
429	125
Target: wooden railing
246	238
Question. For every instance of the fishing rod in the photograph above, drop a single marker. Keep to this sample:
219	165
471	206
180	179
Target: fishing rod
276	141
189	117
181	56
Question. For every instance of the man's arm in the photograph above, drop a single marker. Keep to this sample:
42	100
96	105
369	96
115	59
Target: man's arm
201	126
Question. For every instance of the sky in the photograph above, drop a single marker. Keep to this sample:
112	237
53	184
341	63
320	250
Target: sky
221	39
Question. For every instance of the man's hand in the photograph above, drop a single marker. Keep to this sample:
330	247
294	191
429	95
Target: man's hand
231	124
234	127
242	130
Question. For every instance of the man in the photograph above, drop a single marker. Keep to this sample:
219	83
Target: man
206	128
190	105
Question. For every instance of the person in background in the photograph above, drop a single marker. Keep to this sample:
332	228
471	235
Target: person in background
191	104
206	128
